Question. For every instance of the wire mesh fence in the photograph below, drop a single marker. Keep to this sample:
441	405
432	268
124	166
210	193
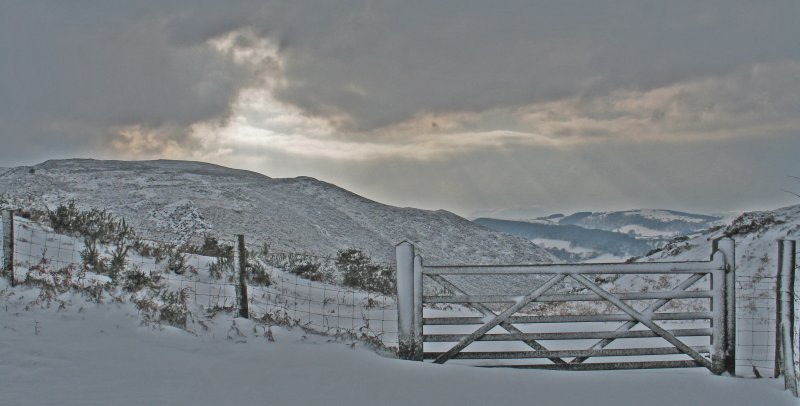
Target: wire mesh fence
756	325
346	299
343	296
307	290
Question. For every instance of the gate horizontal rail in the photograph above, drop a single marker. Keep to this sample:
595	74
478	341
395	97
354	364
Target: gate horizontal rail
569	319
583	335
568	298
545	269
568	353
602	366
717	355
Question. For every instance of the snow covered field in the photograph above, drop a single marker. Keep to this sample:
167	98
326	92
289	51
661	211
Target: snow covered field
100	355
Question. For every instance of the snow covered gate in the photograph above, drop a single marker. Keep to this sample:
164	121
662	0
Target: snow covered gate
677	314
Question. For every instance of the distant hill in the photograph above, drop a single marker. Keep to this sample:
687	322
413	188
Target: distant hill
165	199
605	236
599	241
647	223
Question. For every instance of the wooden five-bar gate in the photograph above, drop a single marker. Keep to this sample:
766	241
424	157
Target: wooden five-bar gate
504	318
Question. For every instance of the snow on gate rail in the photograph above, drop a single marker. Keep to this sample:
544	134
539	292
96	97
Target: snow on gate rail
566	316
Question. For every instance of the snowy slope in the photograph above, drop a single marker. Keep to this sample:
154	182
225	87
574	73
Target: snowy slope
756	235
299	215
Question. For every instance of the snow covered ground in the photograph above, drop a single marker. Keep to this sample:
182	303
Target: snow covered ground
90	353
99	355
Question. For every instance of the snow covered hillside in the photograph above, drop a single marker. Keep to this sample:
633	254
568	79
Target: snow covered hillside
573	243
646	223
295	215
605	236
756	235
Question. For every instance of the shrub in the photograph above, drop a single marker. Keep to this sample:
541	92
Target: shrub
119	258
751	223
51	282
220	267
176	262
91	258
359	271
212	248
137	279
307	268
258	273
99	225
65	218
174	310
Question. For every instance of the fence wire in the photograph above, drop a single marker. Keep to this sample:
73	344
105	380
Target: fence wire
293	289
306	290
756	324
298	289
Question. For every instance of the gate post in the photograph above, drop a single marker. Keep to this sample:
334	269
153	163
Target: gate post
8	245
728	249
418	343
404	255
241	266
786	329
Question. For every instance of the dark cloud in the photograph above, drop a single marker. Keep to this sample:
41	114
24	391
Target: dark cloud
92	67
106	64
407	57
92	76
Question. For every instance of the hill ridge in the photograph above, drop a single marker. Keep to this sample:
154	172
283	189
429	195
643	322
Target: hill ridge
300	214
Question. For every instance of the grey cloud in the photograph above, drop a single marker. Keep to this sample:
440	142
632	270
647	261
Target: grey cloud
95	66
471	56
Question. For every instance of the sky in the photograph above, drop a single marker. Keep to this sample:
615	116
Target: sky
508	108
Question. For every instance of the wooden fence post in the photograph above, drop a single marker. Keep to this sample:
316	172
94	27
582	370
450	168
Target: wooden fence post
241	266
728	248
785	334
8	245
404	255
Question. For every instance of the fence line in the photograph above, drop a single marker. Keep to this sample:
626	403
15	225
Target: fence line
756	325
206	274
307	290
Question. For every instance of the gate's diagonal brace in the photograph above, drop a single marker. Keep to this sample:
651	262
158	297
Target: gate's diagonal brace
644	320
488	312
441	359
650	309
